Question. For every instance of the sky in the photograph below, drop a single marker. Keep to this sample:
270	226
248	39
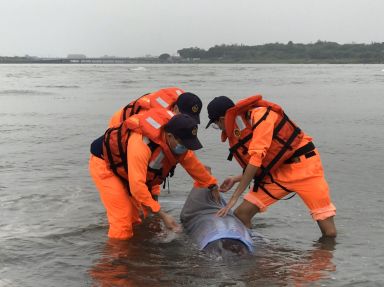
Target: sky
134	28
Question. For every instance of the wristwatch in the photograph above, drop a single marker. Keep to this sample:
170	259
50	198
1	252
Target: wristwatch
213	187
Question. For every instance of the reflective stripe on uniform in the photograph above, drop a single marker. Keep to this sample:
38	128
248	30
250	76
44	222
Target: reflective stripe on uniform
178	92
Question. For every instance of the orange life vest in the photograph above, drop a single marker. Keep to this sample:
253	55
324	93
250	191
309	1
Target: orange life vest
164	98
149	124
239	130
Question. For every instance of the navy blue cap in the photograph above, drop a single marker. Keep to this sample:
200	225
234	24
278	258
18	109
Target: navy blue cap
184	127
217	108
190	104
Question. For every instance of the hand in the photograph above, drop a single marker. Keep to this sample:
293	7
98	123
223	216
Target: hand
170	222
227	184
224	211
216	195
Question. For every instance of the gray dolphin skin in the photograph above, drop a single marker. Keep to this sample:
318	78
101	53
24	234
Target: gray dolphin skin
211	233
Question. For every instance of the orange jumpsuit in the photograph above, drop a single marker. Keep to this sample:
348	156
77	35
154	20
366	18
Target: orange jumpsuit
305	177
124	210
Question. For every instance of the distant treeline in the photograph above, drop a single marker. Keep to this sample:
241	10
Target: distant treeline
291	53
319	52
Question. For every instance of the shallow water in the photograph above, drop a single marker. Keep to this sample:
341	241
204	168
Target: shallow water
53	226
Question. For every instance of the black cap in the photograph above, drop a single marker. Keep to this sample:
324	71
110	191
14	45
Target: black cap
190	104
184	127
217	108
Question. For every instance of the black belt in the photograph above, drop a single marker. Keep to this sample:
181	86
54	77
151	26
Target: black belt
97	147
307	150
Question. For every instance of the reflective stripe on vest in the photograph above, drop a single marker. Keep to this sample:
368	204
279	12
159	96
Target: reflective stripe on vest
153	123
241	125
170	113
163	103
157	162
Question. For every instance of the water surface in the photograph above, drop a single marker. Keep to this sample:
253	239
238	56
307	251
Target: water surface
53	226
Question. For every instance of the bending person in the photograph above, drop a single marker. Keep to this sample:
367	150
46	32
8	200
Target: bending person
130	161
276	155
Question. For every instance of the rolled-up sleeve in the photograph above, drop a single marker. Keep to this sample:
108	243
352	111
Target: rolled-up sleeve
262	136
197	170
138	156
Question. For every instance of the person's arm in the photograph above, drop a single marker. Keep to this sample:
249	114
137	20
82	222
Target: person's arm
138	156
229	182
262	136
170	222
258	147
249	174
200	174
197	170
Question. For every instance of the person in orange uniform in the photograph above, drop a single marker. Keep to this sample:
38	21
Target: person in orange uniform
172	98
128	161
276	154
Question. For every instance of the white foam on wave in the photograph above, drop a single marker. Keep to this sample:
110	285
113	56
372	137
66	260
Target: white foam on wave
139	69
166	236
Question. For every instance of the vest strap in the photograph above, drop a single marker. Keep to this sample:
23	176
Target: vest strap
286	146
132	106
263	188
301	151
243	141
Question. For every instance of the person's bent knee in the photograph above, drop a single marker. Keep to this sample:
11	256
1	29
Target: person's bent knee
245	211
244	218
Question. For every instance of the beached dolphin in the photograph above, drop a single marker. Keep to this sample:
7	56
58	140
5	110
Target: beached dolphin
214	234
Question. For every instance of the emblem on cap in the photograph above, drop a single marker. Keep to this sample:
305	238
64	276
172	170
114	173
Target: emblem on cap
195	109
194	131
236	132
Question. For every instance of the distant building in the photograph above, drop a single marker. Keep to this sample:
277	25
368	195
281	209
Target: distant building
108	57
76	56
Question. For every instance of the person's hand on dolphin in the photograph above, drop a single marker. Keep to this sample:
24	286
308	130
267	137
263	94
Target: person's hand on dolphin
224	211
216	195
170	222
228	183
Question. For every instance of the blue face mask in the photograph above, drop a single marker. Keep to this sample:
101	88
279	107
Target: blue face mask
179	149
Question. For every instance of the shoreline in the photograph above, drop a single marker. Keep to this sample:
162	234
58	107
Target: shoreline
108	62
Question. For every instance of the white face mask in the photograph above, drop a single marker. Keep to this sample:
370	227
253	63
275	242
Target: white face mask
215	126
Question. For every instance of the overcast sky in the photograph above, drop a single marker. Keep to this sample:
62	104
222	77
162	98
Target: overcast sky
141	27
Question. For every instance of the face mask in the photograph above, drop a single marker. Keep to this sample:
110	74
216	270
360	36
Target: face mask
215	126
179	149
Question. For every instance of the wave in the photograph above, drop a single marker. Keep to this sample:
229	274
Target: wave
70	232
128	82
23	92
139	69
60	86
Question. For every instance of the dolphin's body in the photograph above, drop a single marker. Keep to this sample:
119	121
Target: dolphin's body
211	233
